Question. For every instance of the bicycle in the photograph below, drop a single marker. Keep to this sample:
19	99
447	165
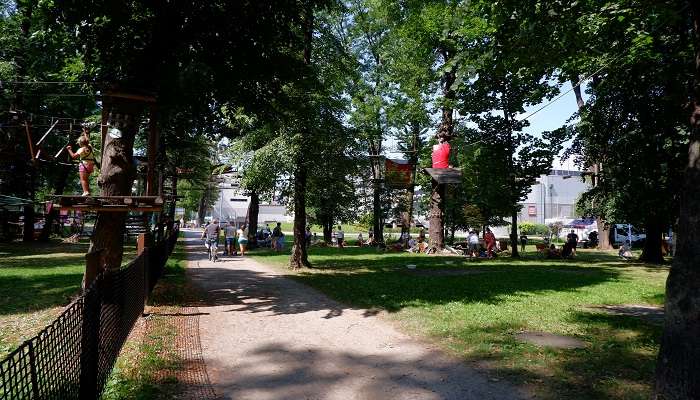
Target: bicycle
212	247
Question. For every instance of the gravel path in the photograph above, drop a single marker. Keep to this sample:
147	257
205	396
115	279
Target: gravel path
265	336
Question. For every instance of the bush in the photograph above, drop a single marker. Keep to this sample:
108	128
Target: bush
531	228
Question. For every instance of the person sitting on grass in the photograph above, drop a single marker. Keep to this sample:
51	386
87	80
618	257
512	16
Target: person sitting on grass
624	251
553	252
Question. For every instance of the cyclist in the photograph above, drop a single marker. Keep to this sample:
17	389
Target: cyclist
211	237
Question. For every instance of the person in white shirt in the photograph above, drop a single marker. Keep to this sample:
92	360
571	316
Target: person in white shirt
230	233
340	236
473	244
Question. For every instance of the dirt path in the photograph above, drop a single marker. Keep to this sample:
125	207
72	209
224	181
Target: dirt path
265	336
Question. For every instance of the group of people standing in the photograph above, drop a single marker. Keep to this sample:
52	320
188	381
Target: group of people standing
232	234
490	243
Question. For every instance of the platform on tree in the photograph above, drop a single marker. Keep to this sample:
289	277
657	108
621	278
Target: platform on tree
110	203
445	175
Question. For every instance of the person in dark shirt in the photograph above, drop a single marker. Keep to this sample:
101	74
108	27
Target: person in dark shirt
523	241
572	239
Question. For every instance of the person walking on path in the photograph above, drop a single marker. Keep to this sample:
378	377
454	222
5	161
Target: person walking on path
230	235
242	234
211	236
490	240
340	237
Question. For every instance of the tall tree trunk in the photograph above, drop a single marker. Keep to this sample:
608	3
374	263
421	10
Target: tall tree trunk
603	234
253	213
678	364
437	216
299	256
377	220
652	252
116	178
446	129
327	229
26	9
413	160
514	235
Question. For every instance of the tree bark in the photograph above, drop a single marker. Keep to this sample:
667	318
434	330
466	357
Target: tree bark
202	209
253	213
116	178
514	235
652	251
678	364
327	223
603	234
299	256
377	220
437	216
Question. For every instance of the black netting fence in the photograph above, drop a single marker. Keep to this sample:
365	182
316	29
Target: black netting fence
73	357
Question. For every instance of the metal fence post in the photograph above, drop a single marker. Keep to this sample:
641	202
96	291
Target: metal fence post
32	370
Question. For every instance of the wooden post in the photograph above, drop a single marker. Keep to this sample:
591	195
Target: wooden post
152	152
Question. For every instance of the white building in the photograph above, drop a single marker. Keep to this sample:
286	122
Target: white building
232	204
553	197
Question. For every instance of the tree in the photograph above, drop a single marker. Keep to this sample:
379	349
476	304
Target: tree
677	370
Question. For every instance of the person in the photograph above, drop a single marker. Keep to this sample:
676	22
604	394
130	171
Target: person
624	251
360	239
370	238
277	237
523	242
307	237
441	153
490	240
568	250
230	235
421	234
552	252
340	237
211	236
242	234
87	160
593	239
473	240
671	242
572	239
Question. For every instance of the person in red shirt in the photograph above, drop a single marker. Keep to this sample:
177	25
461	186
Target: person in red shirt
490	240
441	153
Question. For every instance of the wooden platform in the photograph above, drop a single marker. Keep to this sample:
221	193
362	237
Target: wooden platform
110	203
445	175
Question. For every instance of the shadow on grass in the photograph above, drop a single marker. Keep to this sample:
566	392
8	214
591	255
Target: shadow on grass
618	362
19	294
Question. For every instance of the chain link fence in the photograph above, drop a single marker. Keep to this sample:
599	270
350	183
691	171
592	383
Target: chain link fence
73	356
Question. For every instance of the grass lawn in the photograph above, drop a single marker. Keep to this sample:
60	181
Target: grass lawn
473	309
36	281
